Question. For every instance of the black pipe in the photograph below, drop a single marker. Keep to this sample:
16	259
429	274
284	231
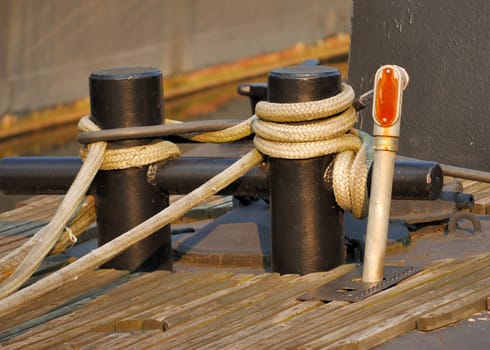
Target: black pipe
53	175
180	176
127	97
38	175
306	224
413	178
462	200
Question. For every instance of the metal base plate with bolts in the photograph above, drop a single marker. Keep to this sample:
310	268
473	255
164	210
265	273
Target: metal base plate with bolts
351	288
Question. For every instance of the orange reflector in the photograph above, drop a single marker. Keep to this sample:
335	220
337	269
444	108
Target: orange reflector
387	96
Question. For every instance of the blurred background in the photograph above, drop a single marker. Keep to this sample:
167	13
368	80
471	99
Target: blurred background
48	48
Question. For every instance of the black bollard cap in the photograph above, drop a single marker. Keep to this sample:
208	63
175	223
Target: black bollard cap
303	83
126	96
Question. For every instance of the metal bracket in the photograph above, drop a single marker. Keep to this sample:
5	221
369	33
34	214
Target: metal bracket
351	288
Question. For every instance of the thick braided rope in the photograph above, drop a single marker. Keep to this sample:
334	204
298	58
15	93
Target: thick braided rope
130	157
317	128
234	133
136	156
350	175
304	111
21	263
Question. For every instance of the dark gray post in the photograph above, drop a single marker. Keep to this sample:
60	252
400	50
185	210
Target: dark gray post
306	224
126	97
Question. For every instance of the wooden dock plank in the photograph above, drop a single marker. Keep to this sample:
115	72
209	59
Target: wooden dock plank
260	322
298	335
208	310
391	328
7	227
119	340
59	302
370	313
69	291
462	306
127	290
258	304
102	314
164	312
6	240
192	301
195	323
262	281
476	187
231	311
252	341
382	326
97	308
93	340
273	303
6	246
267	312
23	228
40	208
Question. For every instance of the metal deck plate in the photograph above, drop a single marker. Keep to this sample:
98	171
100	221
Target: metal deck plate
350	287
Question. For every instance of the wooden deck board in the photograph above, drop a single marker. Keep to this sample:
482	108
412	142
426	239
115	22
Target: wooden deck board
210	310
40	208
353	317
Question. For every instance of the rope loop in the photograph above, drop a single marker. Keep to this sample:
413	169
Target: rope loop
304	111
130	157
137	156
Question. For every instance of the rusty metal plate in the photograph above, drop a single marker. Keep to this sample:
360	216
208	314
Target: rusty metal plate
350	287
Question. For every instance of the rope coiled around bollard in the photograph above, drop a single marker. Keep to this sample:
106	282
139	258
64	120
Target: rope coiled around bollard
317	128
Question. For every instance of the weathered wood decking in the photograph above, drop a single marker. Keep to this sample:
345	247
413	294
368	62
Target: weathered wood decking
211	309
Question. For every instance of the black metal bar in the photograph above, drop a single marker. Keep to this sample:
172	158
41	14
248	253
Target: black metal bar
38	175
306	224
462	200
180	176
53	175
154	131
126	97
413	178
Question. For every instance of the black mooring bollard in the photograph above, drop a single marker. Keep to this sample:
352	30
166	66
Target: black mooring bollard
126	97
306	224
